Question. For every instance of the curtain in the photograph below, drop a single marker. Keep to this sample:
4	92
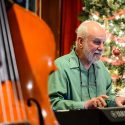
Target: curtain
70	11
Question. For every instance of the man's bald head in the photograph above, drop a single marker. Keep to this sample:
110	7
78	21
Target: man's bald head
89	28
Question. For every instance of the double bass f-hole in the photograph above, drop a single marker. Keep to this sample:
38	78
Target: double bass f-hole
30	101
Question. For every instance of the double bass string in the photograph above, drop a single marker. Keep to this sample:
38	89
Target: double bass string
12	71
5	68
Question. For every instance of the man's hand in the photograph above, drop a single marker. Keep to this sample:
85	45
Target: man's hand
120	101
96	102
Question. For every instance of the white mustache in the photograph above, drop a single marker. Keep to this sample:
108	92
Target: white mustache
98	52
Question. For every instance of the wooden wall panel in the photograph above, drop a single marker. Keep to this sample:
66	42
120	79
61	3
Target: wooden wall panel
51	13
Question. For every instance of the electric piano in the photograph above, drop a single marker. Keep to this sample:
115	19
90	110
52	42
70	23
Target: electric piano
104	116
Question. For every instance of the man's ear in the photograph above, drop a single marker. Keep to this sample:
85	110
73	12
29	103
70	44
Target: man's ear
80	42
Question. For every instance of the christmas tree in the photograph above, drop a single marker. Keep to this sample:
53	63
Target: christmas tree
111	14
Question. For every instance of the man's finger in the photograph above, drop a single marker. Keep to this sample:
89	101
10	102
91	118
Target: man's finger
104	96
119	104
102	101
99	103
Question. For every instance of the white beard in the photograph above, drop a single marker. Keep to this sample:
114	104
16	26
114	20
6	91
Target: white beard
90	56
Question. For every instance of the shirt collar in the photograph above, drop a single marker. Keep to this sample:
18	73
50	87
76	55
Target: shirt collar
73	60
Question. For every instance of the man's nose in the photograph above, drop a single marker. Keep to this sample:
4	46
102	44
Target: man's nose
101	47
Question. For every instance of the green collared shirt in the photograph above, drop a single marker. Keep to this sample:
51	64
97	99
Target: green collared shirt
68	91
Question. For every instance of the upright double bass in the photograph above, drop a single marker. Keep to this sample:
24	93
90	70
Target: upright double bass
27	51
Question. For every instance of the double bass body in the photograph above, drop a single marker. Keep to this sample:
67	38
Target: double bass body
25	96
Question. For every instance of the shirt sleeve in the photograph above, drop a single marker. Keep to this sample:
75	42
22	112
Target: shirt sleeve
111	100
58	92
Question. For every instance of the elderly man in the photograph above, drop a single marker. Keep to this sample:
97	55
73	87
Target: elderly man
82	81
